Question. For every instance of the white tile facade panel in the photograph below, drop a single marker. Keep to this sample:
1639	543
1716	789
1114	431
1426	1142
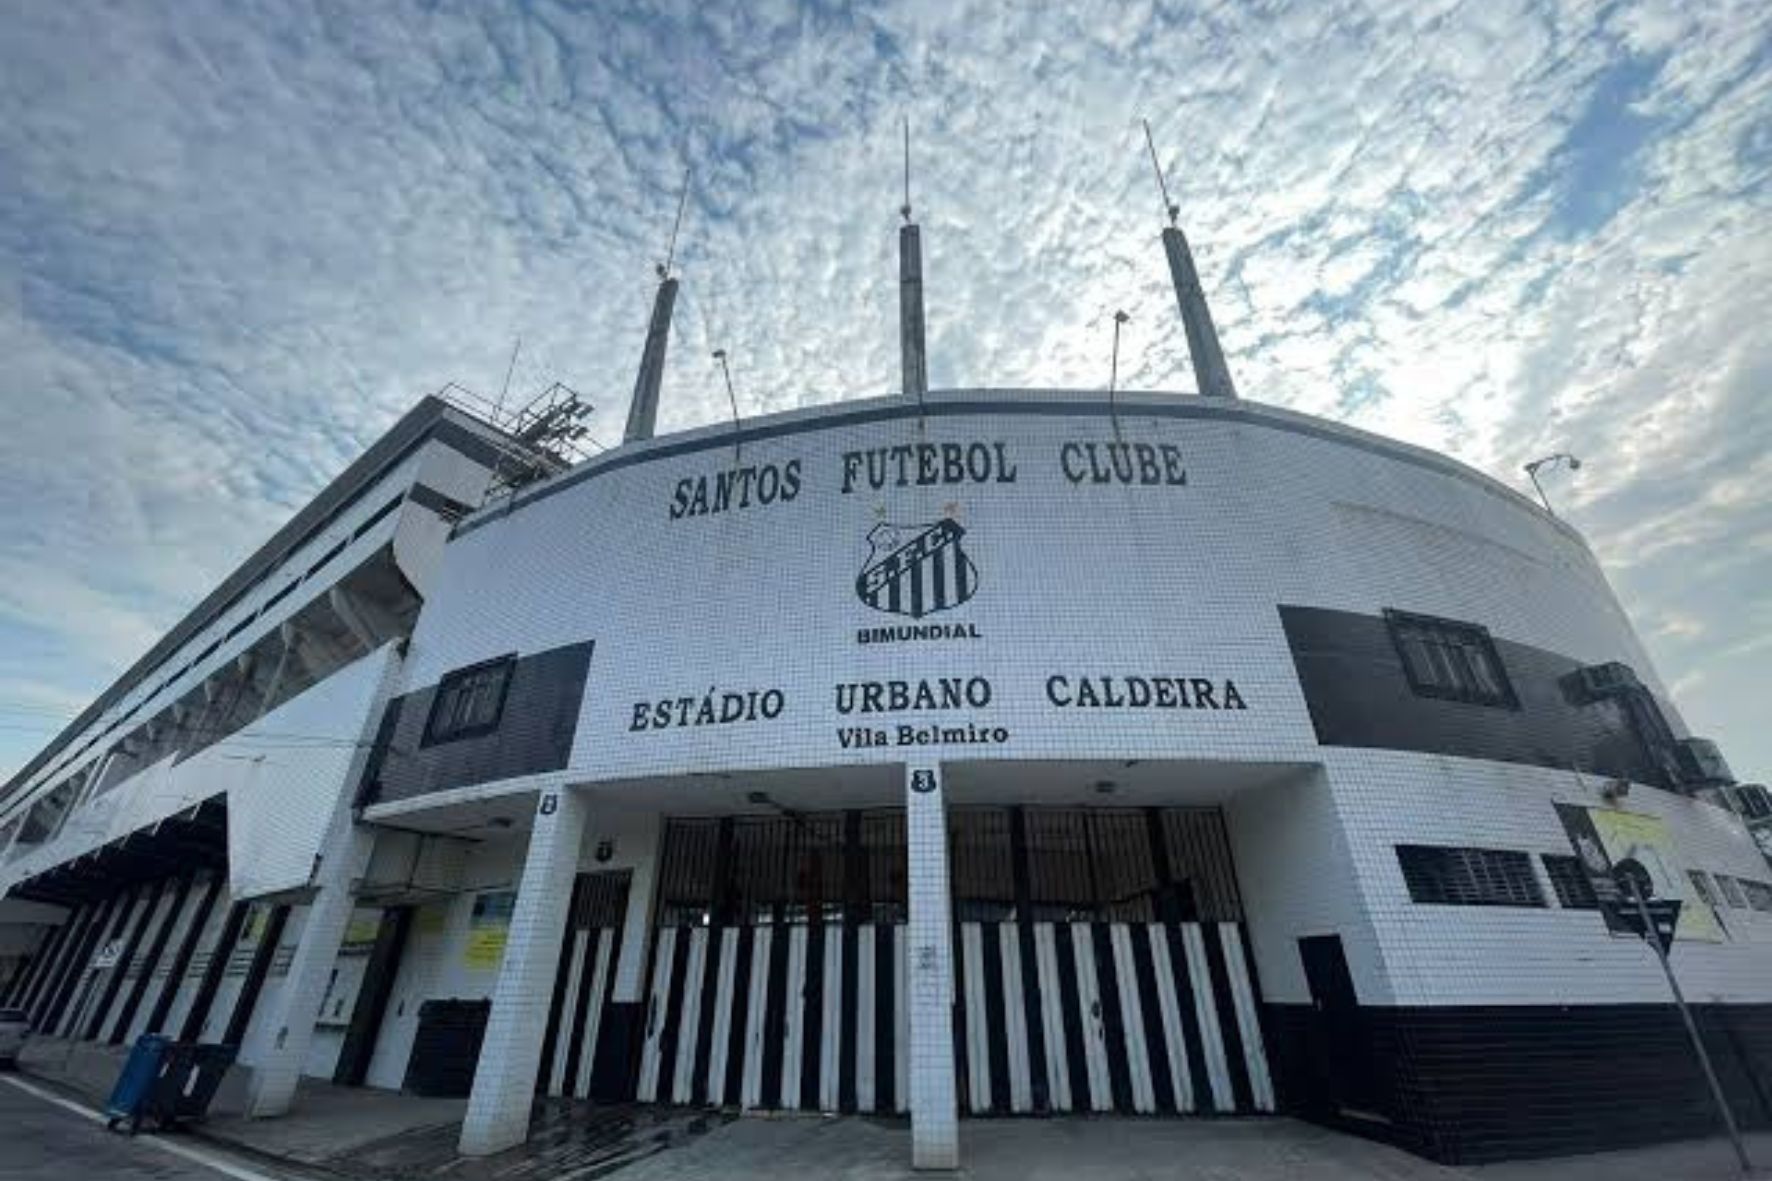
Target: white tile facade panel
1451	955
283	773
935	1130
510	1054
1071	579
1297	879
698	614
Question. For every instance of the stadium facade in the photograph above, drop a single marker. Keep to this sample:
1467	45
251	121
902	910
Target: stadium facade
952	753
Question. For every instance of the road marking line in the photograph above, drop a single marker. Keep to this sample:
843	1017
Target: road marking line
207	1160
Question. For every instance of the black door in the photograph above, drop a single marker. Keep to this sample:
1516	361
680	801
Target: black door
372	997
1341	1049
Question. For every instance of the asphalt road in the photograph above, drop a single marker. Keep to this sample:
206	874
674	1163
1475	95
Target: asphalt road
42	1139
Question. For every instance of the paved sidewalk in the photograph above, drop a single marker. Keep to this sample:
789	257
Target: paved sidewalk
358	1134
328	1123
1079	1149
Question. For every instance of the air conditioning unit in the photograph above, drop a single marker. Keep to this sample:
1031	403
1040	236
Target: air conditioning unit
1596	681
1700	764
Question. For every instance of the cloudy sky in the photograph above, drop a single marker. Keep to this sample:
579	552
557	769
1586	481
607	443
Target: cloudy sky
238	239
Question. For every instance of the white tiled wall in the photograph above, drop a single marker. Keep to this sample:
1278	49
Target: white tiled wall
1504	955
434	964
1083	579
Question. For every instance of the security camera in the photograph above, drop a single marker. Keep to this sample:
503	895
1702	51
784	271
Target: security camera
1574	464
1616	789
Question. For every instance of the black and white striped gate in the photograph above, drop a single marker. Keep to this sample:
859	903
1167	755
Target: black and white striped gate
583	983
754	1016
1100	958
778	965
1139	1018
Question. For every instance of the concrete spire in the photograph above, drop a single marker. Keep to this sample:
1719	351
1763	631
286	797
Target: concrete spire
643	410
910	291
910	313
1210	372
1211	375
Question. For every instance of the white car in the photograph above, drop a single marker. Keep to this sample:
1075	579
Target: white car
15	1027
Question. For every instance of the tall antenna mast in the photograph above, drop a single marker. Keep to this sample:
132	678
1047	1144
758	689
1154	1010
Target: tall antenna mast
664	270
1169	207
905	209
911	339
1211	374
643	409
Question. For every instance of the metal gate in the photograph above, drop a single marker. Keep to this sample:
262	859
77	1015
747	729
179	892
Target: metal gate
1100	960
778	970
582	983
1101	964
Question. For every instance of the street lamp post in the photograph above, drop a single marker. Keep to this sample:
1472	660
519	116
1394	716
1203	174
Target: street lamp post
1120	317
737	431
1551	460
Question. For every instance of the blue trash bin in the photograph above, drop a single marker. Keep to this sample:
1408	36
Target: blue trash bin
135	1085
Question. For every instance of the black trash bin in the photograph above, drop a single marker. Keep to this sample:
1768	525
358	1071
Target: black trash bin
167	1083
446	1047
183	1092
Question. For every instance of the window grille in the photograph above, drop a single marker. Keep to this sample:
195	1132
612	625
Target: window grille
1469	877
1445	658
1575	891
1093	865
1731	891
470	701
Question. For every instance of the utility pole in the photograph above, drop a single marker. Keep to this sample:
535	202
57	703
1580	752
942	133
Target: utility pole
1652	936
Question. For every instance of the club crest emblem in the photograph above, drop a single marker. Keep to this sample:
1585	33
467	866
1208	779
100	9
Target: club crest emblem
916	570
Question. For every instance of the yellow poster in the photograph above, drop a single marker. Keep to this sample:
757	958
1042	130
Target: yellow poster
489	929
1646	840
361	932
486	947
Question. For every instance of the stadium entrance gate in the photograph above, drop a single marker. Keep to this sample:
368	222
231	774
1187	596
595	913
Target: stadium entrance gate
582	987
1100	960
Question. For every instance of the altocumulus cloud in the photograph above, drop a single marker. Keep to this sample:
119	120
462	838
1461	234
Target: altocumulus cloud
239	239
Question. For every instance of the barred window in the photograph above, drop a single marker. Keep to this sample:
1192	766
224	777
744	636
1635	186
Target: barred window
1445	658
470	701
1752	800
1469	877
1575	890
1731	890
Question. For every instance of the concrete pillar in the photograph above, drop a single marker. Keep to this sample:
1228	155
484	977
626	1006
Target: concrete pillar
297	1003
510	1055
636	930
935	1127
288	635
